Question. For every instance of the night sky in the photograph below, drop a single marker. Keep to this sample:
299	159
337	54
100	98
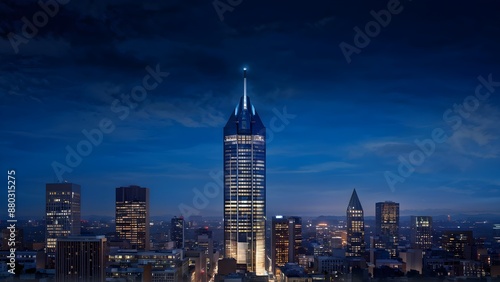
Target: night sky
348	122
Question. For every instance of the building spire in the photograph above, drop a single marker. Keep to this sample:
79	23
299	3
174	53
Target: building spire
244	88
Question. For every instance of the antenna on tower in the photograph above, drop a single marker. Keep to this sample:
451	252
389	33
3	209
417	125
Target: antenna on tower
244	88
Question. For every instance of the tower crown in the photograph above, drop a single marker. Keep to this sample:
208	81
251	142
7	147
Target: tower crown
244	120
354	203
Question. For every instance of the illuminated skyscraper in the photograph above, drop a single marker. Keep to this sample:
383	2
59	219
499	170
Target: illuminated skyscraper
177	231
286	240
62	212
355	227
132	216
245	186
421	232
387	225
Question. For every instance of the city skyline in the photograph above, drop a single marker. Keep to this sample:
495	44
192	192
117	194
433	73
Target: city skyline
333	125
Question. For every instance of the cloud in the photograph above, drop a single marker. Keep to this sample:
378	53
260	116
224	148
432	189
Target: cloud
479	135
317	168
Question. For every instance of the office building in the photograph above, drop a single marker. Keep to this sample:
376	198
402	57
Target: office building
177	231
459	243
245	187
387	225
132	216
355	227
62	212
286	240
421	232
81	258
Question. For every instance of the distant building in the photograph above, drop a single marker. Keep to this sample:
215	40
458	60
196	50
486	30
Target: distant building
292	272
355	227
331	264
286	239
387	225
496	232
177	230
132	216
131	265
459	243
413	259
323	235
245	186
421	232
18	241
62	212
81	258
28	259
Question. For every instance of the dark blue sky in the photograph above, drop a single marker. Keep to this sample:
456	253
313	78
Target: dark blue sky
351	121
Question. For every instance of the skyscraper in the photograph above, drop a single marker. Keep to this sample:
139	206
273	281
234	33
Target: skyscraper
177	231
81	258
286	240
245	186
355	227
132	216
421	232
387	225
62	212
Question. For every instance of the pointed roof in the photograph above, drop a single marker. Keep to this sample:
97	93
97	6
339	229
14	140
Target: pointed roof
244	119
354	203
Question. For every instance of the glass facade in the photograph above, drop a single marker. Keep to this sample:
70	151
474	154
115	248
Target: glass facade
245	187
62	212
132	216
355	227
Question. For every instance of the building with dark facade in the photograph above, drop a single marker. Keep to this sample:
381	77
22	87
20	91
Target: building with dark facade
459	243
177	231
81	258
355	227
387	225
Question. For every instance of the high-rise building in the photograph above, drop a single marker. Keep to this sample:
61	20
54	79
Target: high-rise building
245	186
62	212
459	243
286	240
81	258
421	232
355	227
387	225
177	230
132	216
323	235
